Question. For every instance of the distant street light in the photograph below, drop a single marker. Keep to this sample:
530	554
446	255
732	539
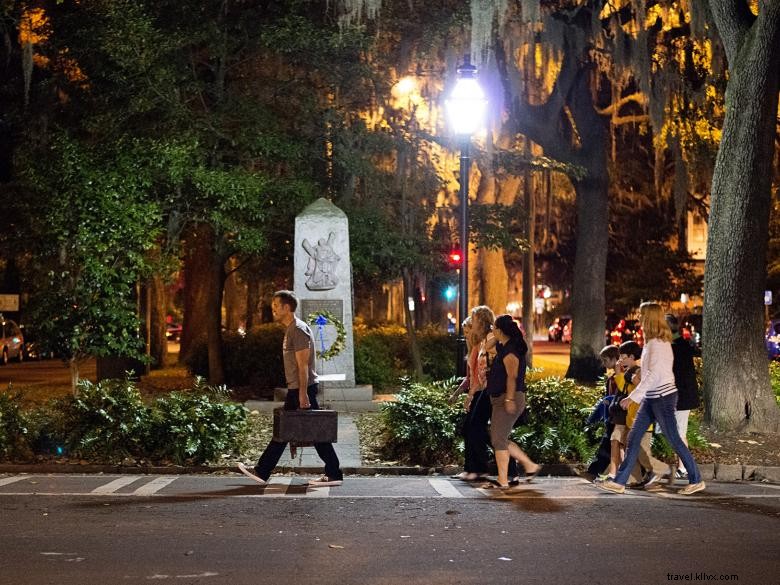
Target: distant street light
466	110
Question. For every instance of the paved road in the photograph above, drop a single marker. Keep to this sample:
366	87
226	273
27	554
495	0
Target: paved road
400	530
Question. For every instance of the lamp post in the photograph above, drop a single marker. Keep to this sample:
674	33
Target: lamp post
465	109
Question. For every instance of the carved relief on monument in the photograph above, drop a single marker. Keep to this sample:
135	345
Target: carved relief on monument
321	268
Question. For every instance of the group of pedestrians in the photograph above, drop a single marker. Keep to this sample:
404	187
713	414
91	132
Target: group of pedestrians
495	399
661	391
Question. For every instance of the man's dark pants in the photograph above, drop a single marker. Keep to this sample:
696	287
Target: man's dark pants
273	452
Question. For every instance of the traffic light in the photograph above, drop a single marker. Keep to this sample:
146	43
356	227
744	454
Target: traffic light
455	258
449	293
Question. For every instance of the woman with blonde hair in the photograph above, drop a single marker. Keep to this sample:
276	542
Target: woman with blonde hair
656	394
475	437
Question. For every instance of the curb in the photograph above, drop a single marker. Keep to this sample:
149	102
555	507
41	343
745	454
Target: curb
725	473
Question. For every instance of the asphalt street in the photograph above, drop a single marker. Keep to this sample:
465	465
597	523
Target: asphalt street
101	529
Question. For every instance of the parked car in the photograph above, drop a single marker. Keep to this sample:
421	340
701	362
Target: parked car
172	331
772	339
627	330
33	350
555	331
691	328
11	341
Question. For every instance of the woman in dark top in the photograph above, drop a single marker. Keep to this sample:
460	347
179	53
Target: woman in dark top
687	388
506	388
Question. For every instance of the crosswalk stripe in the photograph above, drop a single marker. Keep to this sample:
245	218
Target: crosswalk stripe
318	492
112	486
154	486
7	480
277	487
445	488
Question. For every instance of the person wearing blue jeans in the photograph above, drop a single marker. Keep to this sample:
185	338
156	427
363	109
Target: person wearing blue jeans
657	395
298	354
661	410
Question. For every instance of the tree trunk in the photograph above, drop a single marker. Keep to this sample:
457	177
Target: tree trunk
73	364
550	126
590	263
495	280
492	278
529	276
216	283
196	266
252	301
590	260
234	296
414	347
737	393
159	342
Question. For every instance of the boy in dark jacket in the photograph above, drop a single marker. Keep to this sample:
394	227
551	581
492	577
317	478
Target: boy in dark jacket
609	358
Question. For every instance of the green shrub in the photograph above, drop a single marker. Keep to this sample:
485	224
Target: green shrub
254	359
108	421
438	351
423	428
382	355
104	421
198	426
556	431
14	427
774	378
375	363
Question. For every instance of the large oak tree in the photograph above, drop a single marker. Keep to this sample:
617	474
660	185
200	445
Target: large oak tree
738	394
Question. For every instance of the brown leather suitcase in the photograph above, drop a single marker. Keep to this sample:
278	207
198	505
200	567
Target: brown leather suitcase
305	427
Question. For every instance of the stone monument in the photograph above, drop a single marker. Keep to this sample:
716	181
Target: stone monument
323	285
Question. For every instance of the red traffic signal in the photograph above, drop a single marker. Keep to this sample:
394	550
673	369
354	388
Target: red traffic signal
455	258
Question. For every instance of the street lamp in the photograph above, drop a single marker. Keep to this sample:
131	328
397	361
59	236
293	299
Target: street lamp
465	109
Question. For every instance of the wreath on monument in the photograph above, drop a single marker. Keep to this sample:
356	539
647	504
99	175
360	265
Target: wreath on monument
319	319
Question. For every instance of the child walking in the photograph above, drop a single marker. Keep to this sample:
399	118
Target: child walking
657	396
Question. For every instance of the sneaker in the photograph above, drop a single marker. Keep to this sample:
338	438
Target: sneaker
251	474
514	481
325	481
604	477
692	488
611	486
681	475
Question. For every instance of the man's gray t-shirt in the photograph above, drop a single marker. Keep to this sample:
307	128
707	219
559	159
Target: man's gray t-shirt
298	336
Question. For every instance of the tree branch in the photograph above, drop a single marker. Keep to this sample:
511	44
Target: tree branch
733	20
615	107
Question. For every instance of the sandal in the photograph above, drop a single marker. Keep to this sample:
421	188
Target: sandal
469	476
529	477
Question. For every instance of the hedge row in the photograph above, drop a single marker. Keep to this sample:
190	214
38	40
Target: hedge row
382	357
422	428
109	422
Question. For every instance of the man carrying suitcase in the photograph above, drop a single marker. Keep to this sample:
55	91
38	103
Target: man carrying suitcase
302	384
